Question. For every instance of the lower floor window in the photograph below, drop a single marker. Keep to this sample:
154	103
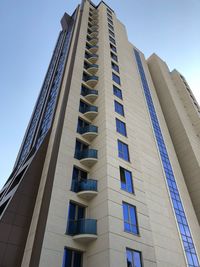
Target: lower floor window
72	258
134	258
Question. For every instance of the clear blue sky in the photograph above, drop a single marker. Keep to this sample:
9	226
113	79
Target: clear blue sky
29	30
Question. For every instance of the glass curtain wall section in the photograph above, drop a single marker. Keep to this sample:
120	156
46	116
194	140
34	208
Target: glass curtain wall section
180	215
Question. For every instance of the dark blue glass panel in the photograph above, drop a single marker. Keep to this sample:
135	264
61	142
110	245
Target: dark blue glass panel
119	108
126	180
116	78
171	181
123	151
121	127
117	92
130	219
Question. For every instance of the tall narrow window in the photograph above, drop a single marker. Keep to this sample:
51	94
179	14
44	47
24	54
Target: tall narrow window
113	48
117	92
121	127
116	78
72	258
79	148
112	40
75	214
115	66
123	151
109	16
110	21
111	27
130	219
119	108
113	56
134	258
111	33
126	180
78	176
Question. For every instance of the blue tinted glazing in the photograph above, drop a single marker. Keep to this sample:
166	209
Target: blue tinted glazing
72	258
119	108
133	258
123	151
121	127
117	92
126	180
40	102
187	241
130	219
50	107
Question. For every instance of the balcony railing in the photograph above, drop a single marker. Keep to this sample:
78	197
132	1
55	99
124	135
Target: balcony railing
82	227
87	129
84	185
86	153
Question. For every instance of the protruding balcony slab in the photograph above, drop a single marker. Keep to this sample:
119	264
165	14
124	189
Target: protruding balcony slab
87	189
84	230
92	81
92	58
92	68
88	157
89	132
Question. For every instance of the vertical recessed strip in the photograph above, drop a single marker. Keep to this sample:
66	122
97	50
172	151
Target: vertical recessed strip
180	215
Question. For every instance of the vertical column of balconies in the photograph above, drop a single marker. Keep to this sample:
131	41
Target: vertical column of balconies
83	229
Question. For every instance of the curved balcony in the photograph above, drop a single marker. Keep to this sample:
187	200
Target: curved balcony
88	157
90	112
92	48
89	132
94	34
92	58
91	80
90	94
84	230
92	40
94	27
94	21
92	68
87	189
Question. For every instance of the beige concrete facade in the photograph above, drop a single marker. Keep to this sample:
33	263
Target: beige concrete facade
159	239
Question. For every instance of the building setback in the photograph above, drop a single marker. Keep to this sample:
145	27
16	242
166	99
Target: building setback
108	173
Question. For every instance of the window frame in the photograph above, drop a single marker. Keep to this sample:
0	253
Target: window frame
116	89
119	123
132	256
132	191
116	105
136	226
121	153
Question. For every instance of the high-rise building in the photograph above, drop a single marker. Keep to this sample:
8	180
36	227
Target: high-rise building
108	173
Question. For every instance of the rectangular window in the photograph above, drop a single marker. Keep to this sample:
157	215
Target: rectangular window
130	219
72	258
117	92
123	151
112	40
110	26
76	212
134	258
79	147
81	125
113	48
116	78
121	127
113	56
115	66
109	11
110	21
109	16
111	33
119	108
78	175
126	180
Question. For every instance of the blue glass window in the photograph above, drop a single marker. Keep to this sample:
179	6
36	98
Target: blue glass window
115	66
110	21
72	258
76	212
126	180
186	236
112	40
111	33
78	175
116	78
121	127
113	56
130	219
119	108
81	124
79	147
113	48
117	92
123	151
110	26
134	258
